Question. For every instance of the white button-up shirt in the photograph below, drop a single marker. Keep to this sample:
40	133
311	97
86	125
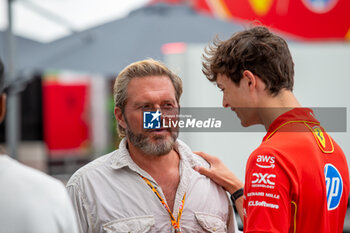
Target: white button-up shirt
33	202
109	195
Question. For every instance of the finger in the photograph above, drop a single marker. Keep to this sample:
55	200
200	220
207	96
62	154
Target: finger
202	170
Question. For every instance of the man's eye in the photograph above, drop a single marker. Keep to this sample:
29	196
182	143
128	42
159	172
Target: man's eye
167	106
145	107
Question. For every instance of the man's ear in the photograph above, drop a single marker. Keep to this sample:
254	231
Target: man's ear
119	117
250	79
2	106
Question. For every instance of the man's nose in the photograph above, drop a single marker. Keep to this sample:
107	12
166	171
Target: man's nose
224	102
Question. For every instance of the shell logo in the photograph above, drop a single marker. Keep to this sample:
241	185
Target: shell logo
261	7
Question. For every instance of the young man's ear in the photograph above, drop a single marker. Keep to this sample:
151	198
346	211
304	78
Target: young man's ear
2	107
250	79
119	117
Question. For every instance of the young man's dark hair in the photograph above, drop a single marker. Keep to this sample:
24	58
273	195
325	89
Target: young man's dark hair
258	50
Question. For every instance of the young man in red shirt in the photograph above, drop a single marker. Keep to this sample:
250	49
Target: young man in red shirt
297	180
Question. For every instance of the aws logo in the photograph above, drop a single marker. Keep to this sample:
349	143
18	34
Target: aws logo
261	7
265	161
334	186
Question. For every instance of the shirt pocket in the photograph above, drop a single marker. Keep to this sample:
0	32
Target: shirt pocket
211	223
141	224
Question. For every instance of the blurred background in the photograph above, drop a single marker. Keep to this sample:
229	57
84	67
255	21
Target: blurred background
62	56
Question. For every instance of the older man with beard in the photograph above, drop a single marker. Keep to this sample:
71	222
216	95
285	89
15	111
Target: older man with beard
148	184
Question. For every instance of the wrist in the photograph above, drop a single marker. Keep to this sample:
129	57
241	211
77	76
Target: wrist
236	194
233	187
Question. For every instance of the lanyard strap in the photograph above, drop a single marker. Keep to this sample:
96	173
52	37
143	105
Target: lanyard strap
174	223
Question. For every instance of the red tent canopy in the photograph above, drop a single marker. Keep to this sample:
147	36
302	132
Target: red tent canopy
301	19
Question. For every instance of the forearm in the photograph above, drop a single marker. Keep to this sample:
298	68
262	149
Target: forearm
230	182
239	206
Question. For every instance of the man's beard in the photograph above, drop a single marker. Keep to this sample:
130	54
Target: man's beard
156	145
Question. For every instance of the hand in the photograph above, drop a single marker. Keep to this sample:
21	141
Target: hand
219	173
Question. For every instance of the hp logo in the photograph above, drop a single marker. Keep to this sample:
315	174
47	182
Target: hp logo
334	185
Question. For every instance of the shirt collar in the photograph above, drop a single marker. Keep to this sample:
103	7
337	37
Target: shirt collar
292	116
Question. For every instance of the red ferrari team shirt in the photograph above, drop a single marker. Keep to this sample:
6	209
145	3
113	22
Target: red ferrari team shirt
297	180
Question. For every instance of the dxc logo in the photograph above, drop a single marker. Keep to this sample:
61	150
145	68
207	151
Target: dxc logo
334	185
263	178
